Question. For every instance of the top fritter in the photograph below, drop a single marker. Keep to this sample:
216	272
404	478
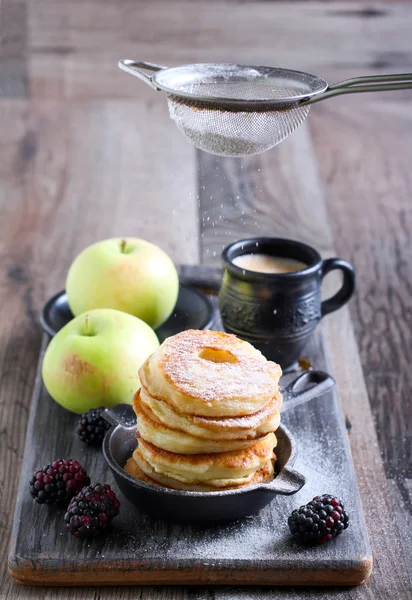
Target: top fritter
209	373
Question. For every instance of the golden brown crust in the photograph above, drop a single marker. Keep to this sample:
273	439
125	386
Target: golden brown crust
217	425
219	470
144	472
236	459
132	468
181	442
241	431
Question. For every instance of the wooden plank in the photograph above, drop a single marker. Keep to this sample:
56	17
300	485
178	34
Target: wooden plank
19	333
95	175
13	49
75	47
390	572
285	204
137	549
372	222
71	175
374	231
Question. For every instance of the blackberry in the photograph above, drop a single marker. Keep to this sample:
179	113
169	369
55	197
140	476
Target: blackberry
92	427
91	511
319	521
58	482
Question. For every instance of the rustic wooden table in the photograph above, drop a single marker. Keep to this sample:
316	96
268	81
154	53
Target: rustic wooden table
87	152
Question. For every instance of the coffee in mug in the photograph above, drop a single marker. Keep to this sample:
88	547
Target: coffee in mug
265	263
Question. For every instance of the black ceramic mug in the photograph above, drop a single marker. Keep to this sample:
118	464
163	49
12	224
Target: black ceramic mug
277	312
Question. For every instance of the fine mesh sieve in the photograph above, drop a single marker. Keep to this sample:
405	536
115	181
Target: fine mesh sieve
233	132
239	110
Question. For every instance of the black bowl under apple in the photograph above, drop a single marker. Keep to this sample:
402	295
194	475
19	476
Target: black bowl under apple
193	310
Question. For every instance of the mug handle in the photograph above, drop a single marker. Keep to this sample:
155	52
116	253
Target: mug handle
348	285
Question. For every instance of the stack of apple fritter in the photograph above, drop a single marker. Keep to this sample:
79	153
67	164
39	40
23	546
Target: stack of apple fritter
207	412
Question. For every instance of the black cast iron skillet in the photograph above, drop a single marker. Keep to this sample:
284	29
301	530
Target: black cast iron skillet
210	507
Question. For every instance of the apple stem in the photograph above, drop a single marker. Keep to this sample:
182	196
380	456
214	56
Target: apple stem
88	328
123	246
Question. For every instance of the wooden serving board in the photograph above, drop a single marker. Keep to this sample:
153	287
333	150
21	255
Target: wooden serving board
140	550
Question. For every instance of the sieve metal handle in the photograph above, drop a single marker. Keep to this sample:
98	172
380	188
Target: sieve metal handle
132	67
372	83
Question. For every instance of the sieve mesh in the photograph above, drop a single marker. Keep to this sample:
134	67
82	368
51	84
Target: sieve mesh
230	131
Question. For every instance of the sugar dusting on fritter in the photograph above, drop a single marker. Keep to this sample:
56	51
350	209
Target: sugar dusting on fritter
250	375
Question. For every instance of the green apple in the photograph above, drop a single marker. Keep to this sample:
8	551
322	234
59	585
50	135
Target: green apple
127	274
94	360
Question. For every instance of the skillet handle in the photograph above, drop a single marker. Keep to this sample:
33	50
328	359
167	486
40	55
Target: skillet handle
120	414
307	386
288	482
